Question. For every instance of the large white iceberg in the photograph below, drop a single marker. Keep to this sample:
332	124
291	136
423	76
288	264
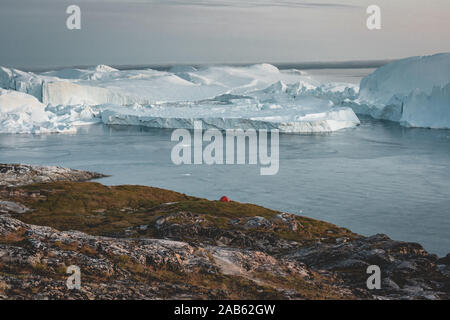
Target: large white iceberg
413	91
23	113
286	113
21	81
259	96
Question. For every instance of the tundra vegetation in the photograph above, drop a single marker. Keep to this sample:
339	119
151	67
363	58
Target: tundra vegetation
145	243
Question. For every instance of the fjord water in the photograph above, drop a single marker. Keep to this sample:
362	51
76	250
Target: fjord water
377	178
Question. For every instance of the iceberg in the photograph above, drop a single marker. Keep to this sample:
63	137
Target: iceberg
23	113
413	91
311	117
428	110
290	108
225	97
21	81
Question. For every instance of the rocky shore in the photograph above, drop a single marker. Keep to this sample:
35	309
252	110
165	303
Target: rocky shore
20	174
135	242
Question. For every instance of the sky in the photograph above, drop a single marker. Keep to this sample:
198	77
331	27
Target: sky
118	32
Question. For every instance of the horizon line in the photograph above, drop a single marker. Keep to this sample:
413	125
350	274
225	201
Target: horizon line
344	64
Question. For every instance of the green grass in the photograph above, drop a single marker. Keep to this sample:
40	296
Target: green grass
101	210
109	211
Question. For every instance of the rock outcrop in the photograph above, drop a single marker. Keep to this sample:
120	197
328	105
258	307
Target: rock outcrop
133	242
20	174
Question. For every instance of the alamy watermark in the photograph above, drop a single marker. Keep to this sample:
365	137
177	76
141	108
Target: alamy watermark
74	281
374	20
73	22
190	149
374	281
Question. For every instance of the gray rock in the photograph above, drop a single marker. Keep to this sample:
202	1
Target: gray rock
13	175
258	222
12	207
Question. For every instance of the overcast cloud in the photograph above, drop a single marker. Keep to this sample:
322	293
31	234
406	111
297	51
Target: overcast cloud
199	31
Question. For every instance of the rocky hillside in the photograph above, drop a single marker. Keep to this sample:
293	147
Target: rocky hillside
134	242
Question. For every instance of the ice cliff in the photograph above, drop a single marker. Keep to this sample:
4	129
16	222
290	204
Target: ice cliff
413	91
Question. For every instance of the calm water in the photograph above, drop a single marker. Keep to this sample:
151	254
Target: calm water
377	178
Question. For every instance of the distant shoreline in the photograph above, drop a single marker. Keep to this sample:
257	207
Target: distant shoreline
357	64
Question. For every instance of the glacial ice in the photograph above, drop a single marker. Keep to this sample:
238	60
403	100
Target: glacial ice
428	110
21	81
259	96
280	106
413	91
23	113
